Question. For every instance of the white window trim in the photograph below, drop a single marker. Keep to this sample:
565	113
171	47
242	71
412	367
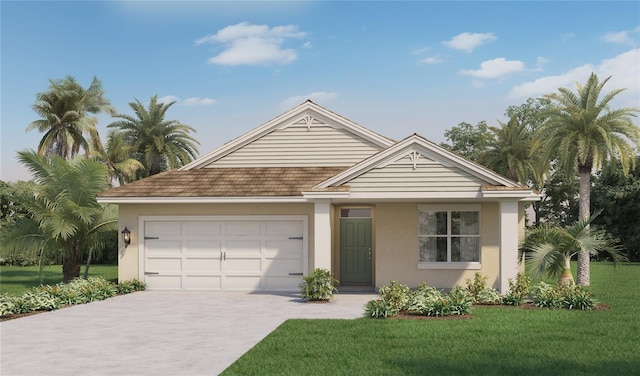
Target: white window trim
452	265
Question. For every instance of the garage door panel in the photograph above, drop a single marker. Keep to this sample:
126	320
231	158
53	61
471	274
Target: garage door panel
284	228
249	265
163	229
203	265
282	283
237	247
203	247
160	282
286	247
163	247
203	282
203	229
243	282
164	264
282	265
243	228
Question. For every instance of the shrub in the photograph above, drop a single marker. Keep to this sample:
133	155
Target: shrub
460	301
577	297
570	297
546	296
379	309
512	299
7	305
430	302
35	301
520	286
126	287
318	286
396	294
478	284
78	291
488	296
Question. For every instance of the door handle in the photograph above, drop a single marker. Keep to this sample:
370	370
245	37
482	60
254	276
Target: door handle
151	273
369	253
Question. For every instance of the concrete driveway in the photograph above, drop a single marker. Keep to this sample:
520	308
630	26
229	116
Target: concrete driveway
155	333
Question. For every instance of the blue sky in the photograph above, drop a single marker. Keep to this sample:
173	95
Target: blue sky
397	68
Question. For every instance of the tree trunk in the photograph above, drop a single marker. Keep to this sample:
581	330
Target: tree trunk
566	278
70	265
86	266
584	211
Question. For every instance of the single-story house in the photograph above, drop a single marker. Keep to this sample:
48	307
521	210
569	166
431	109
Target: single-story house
312	189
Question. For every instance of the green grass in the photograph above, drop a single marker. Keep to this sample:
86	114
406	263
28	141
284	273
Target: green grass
495	341
18	279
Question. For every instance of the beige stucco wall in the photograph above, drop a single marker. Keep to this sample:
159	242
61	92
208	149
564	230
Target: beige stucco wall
396	248
128	258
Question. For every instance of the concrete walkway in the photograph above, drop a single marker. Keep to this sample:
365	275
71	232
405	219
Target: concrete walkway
155	333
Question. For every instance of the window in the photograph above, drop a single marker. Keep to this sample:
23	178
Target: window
449	234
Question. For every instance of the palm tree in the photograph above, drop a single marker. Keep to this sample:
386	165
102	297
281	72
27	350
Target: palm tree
63	215
64	109
509	152
551	248
584	131
159	144
117	156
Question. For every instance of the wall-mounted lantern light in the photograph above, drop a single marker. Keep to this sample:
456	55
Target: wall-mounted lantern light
126	236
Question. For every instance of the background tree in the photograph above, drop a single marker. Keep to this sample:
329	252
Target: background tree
510	152
65	121
63	215
585	131
118	157
159	144
467	140
618	196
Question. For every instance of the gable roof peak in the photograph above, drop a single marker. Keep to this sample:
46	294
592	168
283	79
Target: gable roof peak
294	114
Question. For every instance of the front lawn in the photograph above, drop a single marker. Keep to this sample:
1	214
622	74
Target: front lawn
495	341
18	279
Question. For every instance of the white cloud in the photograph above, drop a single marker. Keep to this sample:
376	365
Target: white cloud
168	99
567	36
469	41
619	37
247	44
192	101
307	45
431	60
320	97
196	101
541	60
495	68
623	68
420	51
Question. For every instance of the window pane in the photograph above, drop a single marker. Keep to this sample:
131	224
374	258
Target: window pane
465	223
433	249
356	213
432	223
465	249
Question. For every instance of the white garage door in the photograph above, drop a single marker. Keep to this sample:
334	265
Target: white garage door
244	254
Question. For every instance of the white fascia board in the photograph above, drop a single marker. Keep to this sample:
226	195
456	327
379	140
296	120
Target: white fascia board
200	200
523	195
292	115
317	195
414	195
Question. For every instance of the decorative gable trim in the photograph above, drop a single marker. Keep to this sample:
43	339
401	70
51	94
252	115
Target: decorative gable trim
306	114
418	148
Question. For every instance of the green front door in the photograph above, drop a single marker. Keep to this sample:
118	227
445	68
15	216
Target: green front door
355	251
